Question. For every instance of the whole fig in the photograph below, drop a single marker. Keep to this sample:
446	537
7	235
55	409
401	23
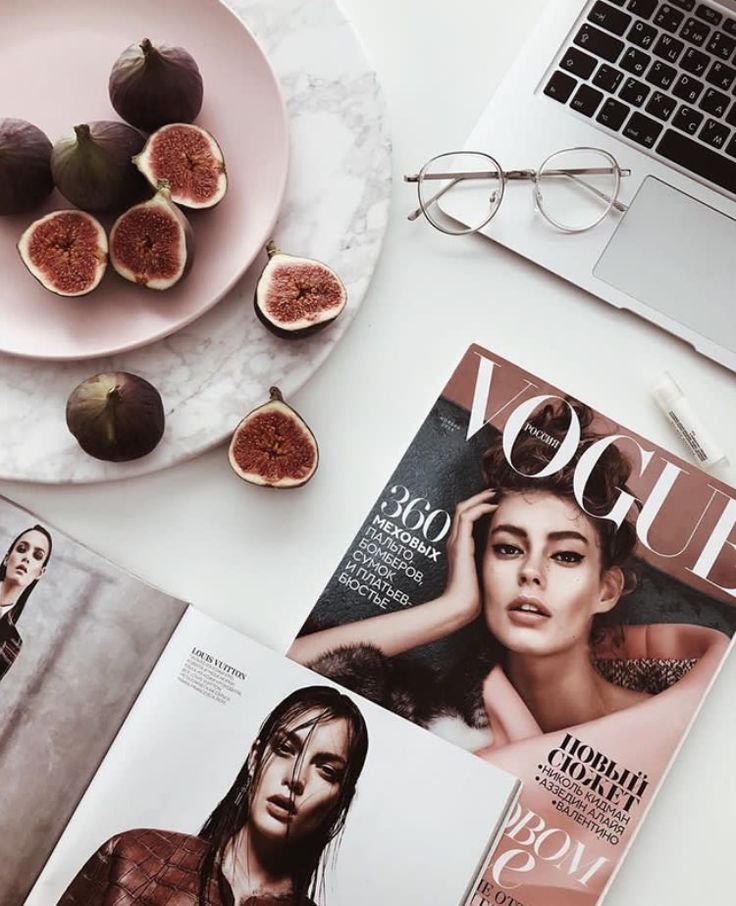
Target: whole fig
152	85
25	169
93	166
116	416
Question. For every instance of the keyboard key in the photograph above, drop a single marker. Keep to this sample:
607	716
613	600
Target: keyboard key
661	75
731	146
634	92
599	43
708	14
687	119
730	26
668	17
661	105
714	133
578	63
695	31
731	115
607	77
688	89
642	35
608	17
698	159
721	75
714	102
687	5
694	61
560	87
586	100
721	45
635	61
668	48
642	130
613	113
643	8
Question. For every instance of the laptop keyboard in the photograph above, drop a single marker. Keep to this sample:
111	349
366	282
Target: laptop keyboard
662	75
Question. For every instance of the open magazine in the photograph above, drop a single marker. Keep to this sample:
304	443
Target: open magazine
550	591
152	755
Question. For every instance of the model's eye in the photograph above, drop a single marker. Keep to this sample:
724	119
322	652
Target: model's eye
504	549
38	555
22	547
283	746
330	772
568	557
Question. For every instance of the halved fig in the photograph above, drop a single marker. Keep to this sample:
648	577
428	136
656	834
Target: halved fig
66	251
191	162
152	243
297	296
273	446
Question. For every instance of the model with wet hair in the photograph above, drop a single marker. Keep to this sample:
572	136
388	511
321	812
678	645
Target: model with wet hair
265	843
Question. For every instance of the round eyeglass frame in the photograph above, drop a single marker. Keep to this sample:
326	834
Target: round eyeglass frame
504	176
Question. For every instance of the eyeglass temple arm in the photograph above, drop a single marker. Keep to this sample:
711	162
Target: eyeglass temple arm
571	173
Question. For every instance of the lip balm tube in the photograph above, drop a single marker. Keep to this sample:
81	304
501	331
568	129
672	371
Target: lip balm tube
672	401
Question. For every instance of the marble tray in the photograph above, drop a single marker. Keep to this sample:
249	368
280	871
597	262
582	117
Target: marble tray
217	368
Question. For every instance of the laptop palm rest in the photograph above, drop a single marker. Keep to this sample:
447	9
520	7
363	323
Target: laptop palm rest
678	256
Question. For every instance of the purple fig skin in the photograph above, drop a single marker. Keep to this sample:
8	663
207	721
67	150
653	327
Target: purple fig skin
25	168
93	167
153	85
162	199
116	416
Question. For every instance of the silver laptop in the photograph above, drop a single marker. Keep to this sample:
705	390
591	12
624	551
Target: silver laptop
654	84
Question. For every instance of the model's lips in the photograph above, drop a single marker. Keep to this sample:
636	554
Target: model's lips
528	605
21	569
281	807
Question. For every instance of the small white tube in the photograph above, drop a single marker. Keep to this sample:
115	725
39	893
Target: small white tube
672	401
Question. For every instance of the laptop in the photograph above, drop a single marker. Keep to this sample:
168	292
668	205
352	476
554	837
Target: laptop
654	84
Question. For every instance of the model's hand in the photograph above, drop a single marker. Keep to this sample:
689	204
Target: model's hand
463	588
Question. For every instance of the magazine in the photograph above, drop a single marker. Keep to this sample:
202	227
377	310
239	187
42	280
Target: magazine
159	757
552	592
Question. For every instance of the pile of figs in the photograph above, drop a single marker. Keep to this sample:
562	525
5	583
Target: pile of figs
139	172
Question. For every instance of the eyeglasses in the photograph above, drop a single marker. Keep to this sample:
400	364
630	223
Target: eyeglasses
573	189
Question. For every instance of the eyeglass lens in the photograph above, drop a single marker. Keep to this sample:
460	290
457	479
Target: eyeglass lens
576	188
460	192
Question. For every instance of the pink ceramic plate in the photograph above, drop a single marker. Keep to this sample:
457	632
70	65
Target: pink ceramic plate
55	58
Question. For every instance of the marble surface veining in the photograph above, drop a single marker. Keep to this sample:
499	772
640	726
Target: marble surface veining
213	371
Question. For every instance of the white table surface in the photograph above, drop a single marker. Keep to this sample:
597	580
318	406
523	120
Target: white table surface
258	559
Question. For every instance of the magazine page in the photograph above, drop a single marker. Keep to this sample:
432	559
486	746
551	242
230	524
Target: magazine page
242	777
78	637
552	592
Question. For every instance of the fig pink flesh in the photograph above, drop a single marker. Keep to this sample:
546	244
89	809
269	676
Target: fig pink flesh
271	444
184	158
147	243
66	251
301	291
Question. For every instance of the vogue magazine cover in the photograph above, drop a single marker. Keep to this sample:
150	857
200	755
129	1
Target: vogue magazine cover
239	777
550	591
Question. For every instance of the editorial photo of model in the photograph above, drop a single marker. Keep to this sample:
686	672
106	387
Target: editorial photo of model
269	838
23	566
544	582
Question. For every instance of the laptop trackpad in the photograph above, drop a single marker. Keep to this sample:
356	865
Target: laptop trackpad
676	254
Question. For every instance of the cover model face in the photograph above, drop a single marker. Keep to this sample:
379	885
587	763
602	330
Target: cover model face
542	575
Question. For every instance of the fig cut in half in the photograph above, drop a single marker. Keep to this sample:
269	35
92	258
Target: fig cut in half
297	296
66	251
191	162
273	446
152	243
